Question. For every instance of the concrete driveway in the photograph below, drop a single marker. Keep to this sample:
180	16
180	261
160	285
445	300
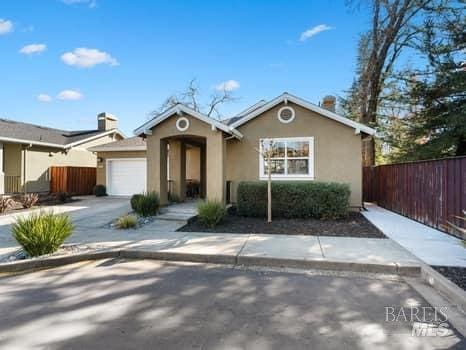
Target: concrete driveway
90	215
118	304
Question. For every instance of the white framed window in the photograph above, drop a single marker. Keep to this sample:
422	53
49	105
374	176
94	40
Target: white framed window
292	158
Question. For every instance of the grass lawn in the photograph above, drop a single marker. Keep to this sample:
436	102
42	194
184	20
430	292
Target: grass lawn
356	225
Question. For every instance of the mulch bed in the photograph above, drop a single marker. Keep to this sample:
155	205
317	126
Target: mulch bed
455	274
356	225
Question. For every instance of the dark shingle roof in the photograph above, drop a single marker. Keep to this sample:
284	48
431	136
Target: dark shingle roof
129	143
38	133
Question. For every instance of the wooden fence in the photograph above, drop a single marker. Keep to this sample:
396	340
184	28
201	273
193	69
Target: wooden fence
75	180
430	192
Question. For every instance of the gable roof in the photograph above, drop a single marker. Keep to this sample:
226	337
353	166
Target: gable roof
134	143
286	97
179	108
243	113
19	132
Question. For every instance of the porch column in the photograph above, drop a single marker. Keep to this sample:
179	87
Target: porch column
177	161
215	157
2	171
157	167
203	171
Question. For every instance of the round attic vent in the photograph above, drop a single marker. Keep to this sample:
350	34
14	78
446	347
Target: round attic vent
286	114
182	124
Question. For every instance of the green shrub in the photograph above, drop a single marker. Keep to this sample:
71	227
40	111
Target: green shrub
146	204
211	213
127	221
135	201
298	199
100	190
42	233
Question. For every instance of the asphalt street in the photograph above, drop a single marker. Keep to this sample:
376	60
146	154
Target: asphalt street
118	304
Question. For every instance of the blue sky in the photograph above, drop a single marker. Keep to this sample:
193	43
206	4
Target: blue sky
139	52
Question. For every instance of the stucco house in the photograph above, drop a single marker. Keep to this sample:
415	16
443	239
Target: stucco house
27	151
312	143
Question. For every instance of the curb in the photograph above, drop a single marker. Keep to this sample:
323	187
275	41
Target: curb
443	285
54	261
50	262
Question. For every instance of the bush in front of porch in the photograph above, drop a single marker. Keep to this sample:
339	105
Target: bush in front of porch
297	199
211	212
146	204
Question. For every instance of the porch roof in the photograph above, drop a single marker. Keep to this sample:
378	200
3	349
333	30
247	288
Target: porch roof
179	109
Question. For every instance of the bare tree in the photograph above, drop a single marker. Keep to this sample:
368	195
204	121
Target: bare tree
191	98
395	25
266	150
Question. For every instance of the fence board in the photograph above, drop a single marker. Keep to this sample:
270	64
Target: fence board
431	192
75	180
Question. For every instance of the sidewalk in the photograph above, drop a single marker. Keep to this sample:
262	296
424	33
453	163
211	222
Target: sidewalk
428	244
334	253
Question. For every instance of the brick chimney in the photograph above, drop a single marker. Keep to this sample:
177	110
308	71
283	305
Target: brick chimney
106	121
329	103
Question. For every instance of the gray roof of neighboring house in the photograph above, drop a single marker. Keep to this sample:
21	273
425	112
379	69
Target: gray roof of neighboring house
36	133
131	143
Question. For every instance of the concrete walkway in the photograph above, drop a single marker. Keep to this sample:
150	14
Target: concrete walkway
335	253
428	244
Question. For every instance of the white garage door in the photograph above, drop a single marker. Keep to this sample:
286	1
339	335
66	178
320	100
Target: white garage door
126	177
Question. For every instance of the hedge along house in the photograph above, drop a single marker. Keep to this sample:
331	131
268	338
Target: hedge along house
27	151
312	143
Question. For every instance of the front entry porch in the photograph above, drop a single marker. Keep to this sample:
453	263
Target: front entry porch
177	161
186	168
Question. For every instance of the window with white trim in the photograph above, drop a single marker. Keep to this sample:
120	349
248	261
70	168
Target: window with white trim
292	158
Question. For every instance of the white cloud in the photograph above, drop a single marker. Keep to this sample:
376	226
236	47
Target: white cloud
314	31
228	85
33	48
86	58
5	26
44	98
69	95
91	3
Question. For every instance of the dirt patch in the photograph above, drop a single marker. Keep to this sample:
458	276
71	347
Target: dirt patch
355	225
455	274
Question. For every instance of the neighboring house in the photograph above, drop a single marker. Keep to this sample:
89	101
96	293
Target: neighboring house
313	143
27	151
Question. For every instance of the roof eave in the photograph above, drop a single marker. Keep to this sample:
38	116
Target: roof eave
287	97
118	149
147	126
31	142
105	133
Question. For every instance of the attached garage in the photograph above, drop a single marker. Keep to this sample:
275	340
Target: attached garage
121	166
126	177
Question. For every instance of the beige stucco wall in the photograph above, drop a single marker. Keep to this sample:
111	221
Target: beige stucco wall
337	149
39	159
193	163
156	156
101	166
